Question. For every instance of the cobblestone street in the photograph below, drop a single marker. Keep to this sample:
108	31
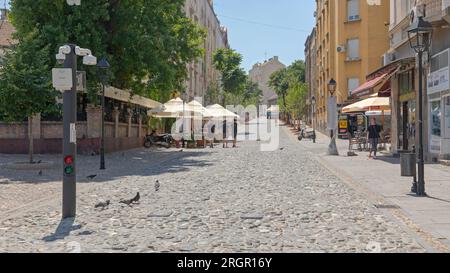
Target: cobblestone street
210	200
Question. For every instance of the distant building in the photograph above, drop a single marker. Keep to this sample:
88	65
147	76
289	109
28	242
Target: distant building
6	32
311	71
201	73
260	74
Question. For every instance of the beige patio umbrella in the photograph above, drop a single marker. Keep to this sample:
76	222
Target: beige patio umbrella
195	108
219	112
370	104
174	109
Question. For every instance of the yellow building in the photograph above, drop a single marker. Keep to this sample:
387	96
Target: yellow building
351	39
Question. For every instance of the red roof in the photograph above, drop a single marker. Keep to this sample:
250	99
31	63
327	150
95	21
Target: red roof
369	84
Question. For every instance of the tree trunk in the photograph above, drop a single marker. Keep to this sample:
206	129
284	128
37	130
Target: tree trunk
30	139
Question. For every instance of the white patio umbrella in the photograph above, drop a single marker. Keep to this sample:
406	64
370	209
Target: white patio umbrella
219	112
195	107
174	109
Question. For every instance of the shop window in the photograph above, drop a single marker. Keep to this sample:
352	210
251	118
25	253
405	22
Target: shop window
435	116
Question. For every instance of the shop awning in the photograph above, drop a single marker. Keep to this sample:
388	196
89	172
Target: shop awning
370	104
125	96
369	85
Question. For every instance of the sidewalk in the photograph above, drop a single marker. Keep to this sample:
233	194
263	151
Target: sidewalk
381	179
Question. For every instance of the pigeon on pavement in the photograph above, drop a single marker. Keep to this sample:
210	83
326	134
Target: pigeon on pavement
131	201
103	205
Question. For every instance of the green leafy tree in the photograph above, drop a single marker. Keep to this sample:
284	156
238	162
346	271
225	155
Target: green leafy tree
25	86
234	78
286	81
279	81
296	100
147	43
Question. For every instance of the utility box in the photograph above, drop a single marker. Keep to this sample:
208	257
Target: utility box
408	164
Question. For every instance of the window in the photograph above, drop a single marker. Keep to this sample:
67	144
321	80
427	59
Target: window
353	83
435	109
353	10
353	49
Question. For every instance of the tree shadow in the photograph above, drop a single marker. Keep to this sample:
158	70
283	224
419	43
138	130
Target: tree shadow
63	230
138	162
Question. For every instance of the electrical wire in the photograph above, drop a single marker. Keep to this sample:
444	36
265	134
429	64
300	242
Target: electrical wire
264	24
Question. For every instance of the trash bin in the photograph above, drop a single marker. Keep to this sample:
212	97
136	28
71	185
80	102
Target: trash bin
408	164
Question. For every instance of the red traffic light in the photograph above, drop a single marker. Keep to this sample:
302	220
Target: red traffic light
68	160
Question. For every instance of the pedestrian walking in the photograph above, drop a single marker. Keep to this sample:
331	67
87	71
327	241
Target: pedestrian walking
373	137
235	132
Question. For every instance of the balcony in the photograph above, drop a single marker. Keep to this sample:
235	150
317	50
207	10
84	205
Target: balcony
437	11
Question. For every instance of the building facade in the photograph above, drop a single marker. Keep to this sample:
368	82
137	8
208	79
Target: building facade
351	38
201	73
311	72
260	74
404	82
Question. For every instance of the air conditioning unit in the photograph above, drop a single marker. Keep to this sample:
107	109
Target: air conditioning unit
341	49
389	58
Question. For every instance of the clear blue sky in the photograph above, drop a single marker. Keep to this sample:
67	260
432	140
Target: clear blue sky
272	27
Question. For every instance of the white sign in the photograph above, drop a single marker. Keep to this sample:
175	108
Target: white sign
439	81
332	113
73	133
62	78
81	80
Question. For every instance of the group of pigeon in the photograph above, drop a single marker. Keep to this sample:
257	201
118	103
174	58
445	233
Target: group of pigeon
128	202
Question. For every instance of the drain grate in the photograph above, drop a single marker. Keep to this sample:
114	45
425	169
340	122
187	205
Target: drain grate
382	206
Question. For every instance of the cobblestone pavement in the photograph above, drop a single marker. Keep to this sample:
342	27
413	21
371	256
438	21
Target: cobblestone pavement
211	200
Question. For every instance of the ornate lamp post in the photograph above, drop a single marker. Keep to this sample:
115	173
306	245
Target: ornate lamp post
332	118
104	66
419	35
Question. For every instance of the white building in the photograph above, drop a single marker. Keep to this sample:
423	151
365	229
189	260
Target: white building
260	74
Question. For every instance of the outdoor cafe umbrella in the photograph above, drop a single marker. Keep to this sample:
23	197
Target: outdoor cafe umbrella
174	109
370	104
219	112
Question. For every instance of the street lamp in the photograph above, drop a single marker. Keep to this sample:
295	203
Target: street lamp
419	35
332	86
332	118
313	111
104	66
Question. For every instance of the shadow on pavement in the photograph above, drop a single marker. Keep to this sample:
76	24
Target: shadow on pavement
140	162
63	230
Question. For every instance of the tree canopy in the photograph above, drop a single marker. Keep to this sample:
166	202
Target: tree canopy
25	86
288	80
238	88
147	43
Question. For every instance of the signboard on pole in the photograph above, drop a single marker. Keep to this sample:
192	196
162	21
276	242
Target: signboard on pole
81	81
332	113
62	78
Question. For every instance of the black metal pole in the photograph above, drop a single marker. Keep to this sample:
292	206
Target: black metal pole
313	122
102	144
69	139
421	167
